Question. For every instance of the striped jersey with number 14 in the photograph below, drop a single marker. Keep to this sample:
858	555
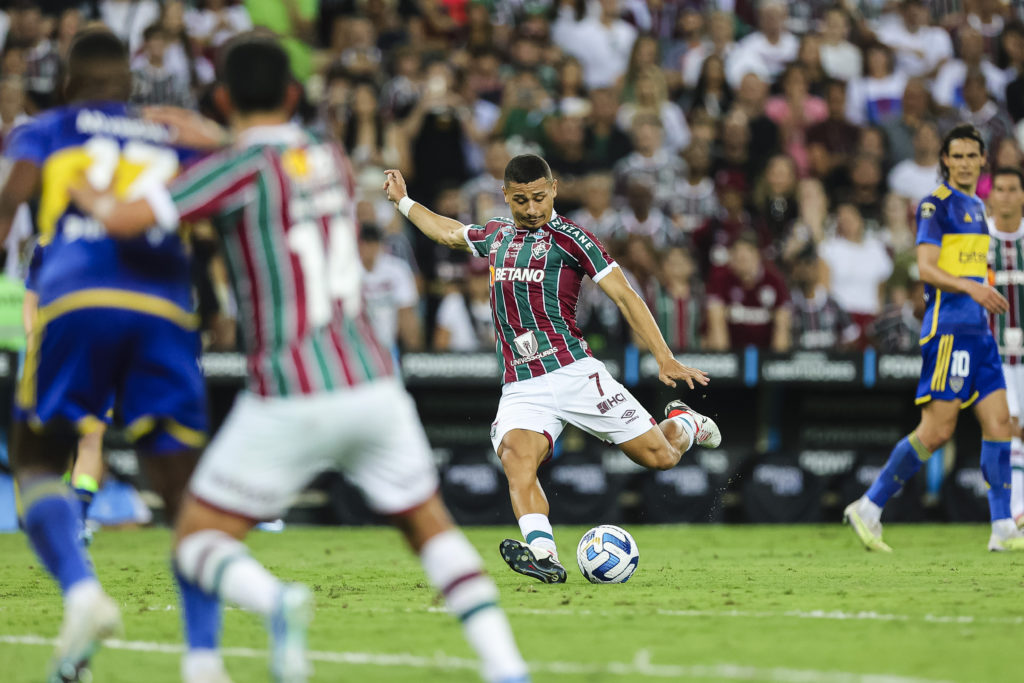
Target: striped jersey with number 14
1007	276
282	202
535	287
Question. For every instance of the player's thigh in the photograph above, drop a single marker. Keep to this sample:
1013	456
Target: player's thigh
71	370
266	451
163	397
384	450
528	406
590	398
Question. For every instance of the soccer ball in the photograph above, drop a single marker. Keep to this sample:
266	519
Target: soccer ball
607	554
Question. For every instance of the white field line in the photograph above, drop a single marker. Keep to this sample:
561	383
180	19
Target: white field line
824	615
640	666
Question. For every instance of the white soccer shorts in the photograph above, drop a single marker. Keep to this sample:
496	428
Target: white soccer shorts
1014	375
269	448
583	394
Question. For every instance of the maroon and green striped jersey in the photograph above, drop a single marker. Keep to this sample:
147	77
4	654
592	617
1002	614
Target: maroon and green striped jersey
282	202
535	286
1006	262
679	317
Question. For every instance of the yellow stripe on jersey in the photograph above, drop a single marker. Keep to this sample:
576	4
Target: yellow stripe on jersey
964	255
942	358
967	404
935	318
942	192
60	172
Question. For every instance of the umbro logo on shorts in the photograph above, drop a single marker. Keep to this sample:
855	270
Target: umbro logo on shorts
629	416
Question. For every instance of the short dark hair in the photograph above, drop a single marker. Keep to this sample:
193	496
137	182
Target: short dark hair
256	71
526	168
97	66
964	131
1009	170
155	30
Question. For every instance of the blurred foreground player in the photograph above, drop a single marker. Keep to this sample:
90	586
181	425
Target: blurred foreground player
537	263
1006	226
113	319
322	390
961	360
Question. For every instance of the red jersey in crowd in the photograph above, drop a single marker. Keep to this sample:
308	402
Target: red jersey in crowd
749	311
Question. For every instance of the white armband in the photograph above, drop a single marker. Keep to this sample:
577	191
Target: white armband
405	205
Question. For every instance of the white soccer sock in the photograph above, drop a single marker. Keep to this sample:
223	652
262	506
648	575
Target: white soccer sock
454	567
869	510
537	531
1003	527
221	565
689	425
201	665
1017	477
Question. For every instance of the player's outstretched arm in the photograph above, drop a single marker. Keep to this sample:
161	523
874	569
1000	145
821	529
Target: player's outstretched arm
446	231
642	323
190	128
121	219
932	274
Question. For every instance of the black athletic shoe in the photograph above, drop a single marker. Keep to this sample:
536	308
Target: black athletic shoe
521	558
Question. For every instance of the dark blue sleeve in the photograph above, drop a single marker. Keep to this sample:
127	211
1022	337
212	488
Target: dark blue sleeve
28	142
929	217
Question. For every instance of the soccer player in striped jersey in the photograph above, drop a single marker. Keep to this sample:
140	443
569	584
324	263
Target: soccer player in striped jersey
1006	226
322	391
961	359
538	260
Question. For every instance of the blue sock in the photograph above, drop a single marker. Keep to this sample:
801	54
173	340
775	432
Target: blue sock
200	613
85	497
904	462
52	522
995	465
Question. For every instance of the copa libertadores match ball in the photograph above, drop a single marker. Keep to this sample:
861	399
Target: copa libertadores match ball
607	554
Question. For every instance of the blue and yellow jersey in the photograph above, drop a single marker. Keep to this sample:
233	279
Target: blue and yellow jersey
108	145
956	223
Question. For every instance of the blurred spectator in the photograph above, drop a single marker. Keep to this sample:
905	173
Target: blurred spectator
768	50
12	105
129	18
606	142
747	302
831	143
294	21
568	158
920	48
986	17
601	41
858	266
640	217
212	22
809	57
1013	47
864	190
483	192
819	322
358	52
898	328
435	132
899	231
373	144
570	92
750	99
68	24
712	240
712	94
793	112
677	300
774	199
402	91
808	230
839	57
948	88
721	43
389	291
688	42
916	107
650	161
597	214
152	82
876	97
695	195
915	178
42	62
464	317
524	104
651	99
983	113
182	56
646	54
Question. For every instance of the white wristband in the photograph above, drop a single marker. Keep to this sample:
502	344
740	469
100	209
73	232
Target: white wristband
405	205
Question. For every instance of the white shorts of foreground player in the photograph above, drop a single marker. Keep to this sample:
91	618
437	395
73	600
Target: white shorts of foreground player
583	394
269	448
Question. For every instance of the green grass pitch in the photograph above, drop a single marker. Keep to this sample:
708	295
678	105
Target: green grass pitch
792	604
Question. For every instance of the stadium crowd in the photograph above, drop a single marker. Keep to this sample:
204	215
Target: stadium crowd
753	166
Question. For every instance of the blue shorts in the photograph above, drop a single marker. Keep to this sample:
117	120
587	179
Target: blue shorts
963	367
80	359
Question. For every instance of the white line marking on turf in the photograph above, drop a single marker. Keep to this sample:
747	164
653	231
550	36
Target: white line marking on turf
640	666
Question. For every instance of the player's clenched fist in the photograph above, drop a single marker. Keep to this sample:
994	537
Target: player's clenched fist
394	185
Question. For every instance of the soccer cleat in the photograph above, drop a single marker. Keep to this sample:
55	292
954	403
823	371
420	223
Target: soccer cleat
288	625
530	562
869	533
1019	521
708	435
1013	541
86	624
